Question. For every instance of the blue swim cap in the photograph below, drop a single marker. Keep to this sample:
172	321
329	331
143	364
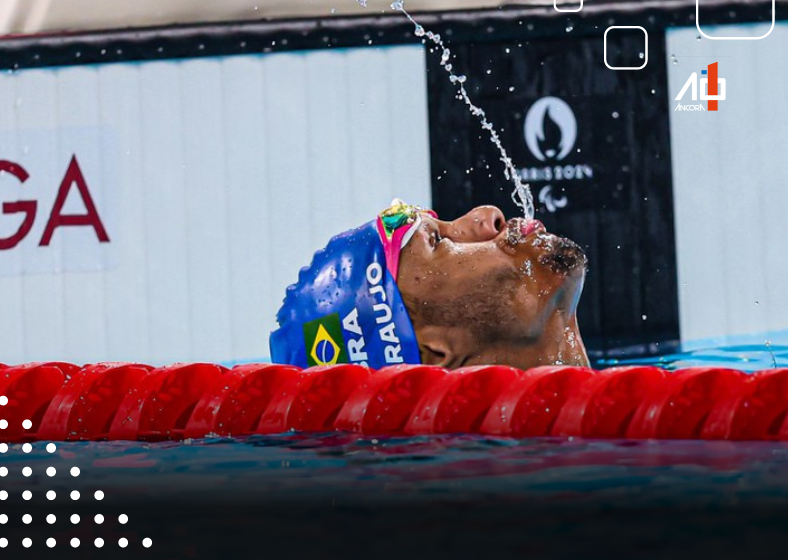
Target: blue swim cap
346	307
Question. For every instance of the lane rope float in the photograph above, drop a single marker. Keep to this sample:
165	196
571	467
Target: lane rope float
127	401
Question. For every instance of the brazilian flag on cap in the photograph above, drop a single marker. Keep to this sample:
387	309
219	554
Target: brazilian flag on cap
324	342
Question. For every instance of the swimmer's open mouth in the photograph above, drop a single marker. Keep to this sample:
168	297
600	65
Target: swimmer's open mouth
517	229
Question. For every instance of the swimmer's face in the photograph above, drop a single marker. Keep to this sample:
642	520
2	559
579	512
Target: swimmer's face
493	280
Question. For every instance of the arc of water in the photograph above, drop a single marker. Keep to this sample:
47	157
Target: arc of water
521	195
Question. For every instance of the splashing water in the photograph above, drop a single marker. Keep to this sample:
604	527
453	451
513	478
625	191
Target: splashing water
521	195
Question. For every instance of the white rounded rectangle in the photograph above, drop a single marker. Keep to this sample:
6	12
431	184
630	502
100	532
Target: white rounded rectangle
557	9
697	24
645	62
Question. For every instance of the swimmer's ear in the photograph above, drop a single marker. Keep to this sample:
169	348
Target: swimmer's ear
446	347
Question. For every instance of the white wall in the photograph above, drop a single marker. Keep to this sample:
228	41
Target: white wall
731	185
216	179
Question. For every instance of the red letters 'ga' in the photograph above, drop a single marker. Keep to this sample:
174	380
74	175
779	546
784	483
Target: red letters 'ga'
57	219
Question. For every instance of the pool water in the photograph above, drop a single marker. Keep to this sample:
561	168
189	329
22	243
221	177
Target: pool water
350	470
748	357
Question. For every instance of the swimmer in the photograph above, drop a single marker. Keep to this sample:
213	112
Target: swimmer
410	288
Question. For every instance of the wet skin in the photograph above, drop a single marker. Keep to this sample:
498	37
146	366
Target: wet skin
481	290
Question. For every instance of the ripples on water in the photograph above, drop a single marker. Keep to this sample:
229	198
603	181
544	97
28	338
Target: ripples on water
744	357
405	469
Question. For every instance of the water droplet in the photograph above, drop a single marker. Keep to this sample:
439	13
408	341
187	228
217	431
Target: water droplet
569	29
641	56
615	114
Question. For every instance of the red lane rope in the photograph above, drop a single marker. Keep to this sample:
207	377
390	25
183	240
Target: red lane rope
64	402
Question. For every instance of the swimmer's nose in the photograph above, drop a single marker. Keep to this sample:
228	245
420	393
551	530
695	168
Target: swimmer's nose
480	224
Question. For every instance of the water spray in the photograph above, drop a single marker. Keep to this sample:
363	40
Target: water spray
521	195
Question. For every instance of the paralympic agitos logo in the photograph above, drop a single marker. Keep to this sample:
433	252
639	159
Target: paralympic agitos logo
712	90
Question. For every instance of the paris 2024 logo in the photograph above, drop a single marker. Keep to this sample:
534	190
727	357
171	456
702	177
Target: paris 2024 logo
550	131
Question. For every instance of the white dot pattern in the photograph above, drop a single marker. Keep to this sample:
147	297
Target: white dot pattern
51	519
3	424
3	400
27	424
